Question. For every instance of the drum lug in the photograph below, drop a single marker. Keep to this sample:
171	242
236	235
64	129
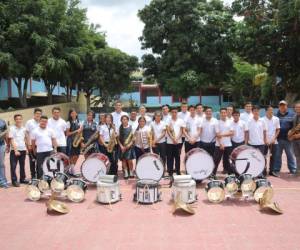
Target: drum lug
134	197
160	196
196	197
120	197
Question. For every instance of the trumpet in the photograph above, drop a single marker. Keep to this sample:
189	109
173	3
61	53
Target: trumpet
294	131
78	138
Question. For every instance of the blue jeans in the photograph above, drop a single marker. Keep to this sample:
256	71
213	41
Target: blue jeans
3	180
287	147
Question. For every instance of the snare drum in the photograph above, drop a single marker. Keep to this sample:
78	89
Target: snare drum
32	190
108	192
248	160
147	192
185	190
149	166
56	163
76	190
215	191
95	165
261	186
199	164
231	184
247	183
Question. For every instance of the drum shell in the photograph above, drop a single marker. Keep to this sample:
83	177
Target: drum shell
157	168
62	177
103	158
147	192
108	192
213	184
199	170
78	182
230	179
245	177
187	191
261	186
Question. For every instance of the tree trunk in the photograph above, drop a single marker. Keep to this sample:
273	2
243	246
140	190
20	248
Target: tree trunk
22	91
290	97
88	100
49	88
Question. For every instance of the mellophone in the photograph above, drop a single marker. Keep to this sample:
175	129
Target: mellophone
247	162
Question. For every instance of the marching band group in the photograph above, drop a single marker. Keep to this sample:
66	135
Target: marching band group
126	137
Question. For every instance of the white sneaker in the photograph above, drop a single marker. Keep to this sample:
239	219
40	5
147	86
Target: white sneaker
131	174
126	174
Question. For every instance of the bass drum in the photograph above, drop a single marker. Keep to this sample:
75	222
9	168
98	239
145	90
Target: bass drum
199	164
248	160
94	166
149	166
56	163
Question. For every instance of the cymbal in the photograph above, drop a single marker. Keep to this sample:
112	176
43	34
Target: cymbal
57	206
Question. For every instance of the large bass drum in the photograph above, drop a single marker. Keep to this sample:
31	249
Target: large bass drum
149	166
94	166
56	163
248	160
199	164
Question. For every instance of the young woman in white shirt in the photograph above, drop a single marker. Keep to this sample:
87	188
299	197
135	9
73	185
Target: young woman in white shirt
142	138
18	140
158	128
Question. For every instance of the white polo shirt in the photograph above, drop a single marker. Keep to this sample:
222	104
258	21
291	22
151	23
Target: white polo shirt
271	126
224	127
246	116
193	125
208	134
176	125
43	139
183	115
256	130
59	127
117	118
133	124
30	126
18	135
148	119
239	129
158	129
166	118
105	132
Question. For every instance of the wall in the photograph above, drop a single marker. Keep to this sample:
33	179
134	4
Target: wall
28	113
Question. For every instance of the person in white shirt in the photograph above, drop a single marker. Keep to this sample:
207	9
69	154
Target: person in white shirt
59	126
142	113
158	128
165	113
199	111
230	110
18	140
142	138
273	129
107	133
224	131
208	132
239	130
175	128
192	130
117	114
43	143
247	115
183	115
30	126
133	120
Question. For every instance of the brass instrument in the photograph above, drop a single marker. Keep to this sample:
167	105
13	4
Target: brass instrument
112	142
90	143
294	131
78	138
129	139
150	139
171	132
3	134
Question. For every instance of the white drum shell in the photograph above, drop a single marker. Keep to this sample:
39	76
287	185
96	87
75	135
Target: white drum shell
149	166
108	192
186	191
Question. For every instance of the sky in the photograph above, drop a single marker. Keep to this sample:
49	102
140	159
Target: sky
119	20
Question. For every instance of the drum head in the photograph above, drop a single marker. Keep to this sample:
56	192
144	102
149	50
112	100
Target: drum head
199	164
149	166
53	164
250	161
92	169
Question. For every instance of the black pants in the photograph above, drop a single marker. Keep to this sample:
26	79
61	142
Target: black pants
139	152
237	144
62	150
160	149
188	146
273	151
32	164
218	156
173	153
13	165
209	147
40	157
113	159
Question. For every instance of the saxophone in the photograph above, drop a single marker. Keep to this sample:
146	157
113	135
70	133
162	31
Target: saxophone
78	138
294	131
3	134
112	142
90	143
171	132
128	140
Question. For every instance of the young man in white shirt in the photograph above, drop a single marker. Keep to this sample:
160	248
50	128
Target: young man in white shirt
224	131
230	110
117	114
199	111
165	113
43	143
59	126
184	113
175	128
247	115
133	120
30	126
142	113
192	130
208	132
273	129
239	130
18	140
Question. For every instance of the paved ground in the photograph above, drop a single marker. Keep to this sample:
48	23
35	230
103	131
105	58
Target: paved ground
89	225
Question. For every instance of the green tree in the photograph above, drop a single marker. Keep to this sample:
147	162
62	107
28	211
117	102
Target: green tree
191	43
